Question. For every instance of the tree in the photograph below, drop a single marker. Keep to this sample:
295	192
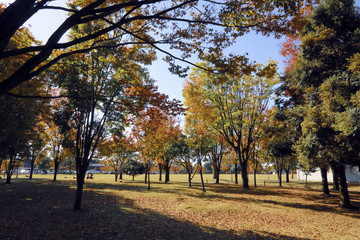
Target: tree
168	133
199	145
133	168
36	146
324	86
153	130
118	151
56	141
216	155
307	169
44	164
238	103
140	22
184	157
282	134
19	117
101	93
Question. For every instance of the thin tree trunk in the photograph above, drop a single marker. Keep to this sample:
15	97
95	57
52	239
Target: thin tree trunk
149	178
9	171
116	176
133	177
344	193
10	168
120	176
255	178
324	180
32	167
236	173
56	170
214	168
160	172
292	173
146	173
280	177
79	190
189	178
287	175
167	172
335	177
202	179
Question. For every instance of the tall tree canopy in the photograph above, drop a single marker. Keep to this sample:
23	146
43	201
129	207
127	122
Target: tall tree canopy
324	84
183	24
236	105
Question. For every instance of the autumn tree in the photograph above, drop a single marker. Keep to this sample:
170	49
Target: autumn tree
154	129
133	168
168	133
199	144
19	116
138	23
321	80
117	150
184	157
238	101
102	86
36	149
199	118
217	151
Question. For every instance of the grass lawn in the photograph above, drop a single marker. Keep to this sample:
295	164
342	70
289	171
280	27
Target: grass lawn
42	209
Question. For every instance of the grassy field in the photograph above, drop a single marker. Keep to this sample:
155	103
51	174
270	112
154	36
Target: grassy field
42	209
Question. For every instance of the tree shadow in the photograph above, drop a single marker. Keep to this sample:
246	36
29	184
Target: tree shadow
234	192
43	211
319	202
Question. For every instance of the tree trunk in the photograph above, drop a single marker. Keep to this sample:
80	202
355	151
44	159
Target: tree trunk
214	168
116	176
9	171
56	170
146	173
120	176
324	180
335	177
216	173
79	190
160	172
10	168
236	173
32	167
202	179
344	193
133	177
279	172
287	175
8	178
244	175
292	173
149	178
167	172
255	178
189	178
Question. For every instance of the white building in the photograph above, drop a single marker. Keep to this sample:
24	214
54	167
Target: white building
352	175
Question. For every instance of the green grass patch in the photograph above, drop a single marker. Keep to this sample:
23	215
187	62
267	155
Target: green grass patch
42	209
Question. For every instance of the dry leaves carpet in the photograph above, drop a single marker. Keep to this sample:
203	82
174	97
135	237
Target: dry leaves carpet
42	209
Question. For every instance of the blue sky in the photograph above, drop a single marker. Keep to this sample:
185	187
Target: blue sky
258	47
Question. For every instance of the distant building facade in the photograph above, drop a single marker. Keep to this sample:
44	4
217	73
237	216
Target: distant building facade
352	175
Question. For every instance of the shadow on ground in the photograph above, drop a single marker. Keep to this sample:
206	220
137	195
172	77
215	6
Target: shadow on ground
311	199
43	210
